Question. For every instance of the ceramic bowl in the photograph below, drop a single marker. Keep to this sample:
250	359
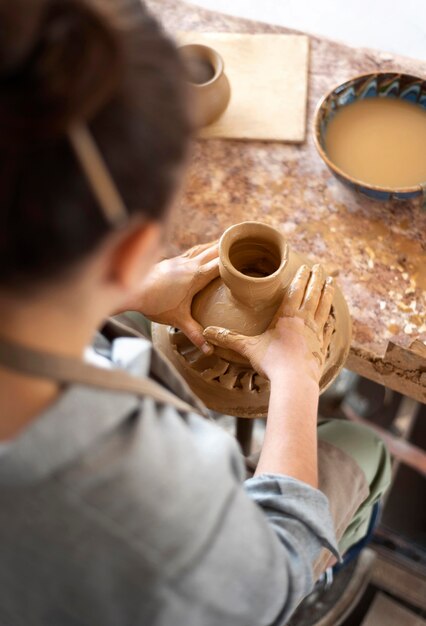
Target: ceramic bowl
380	84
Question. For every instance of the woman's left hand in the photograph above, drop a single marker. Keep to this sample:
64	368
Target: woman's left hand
167	292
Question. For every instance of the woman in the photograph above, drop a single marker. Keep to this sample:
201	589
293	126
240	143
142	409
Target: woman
120	504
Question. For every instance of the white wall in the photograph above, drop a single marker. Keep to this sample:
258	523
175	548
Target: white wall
397	26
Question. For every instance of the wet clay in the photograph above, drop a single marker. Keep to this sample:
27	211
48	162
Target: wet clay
379	141
253	265
312	344
256	266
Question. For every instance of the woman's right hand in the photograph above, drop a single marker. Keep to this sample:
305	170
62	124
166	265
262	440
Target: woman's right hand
298	336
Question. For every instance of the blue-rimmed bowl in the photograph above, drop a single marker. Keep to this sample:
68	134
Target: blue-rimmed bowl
379	84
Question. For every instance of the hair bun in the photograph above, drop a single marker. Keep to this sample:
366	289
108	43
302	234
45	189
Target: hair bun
59	62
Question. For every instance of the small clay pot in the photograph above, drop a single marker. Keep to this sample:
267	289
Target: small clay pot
256	267
254	271
209	89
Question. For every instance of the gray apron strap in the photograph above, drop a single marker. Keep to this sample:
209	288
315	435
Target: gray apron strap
68	370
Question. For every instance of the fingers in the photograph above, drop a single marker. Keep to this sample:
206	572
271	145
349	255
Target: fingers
206	274
195	250
309	295
296	291
194	332
207	251
324	306
293	298
314	289
224	338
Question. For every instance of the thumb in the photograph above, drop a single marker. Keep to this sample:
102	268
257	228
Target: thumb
194	332
224	338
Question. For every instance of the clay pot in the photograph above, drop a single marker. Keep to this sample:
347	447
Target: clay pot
254	271
256	266
209	88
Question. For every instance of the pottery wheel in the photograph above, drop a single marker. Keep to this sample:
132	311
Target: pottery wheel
235	389
223	381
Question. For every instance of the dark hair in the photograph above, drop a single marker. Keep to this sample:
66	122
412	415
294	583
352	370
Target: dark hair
63	61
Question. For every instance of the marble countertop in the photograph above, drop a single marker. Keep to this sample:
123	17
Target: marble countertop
376	250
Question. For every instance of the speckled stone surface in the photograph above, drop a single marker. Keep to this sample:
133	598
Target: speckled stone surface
377	250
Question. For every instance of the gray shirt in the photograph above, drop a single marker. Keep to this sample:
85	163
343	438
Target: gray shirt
120	511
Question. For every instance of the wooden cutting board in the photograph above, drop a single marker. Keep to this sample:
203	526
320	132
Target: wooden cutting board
268	75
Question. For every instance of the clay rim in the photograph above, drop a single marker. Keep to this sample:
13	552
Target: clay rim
316	131
209	54
226	242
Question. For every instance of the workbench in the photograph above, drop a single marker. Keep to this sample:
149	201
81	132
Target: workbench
377	250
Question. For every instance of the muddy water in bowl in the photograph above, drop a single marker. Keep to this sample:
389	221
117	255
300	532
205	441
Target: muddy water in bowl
380	141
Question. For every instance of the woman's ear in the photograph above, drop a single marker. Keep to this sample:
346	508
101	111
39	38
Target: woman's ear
135	254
